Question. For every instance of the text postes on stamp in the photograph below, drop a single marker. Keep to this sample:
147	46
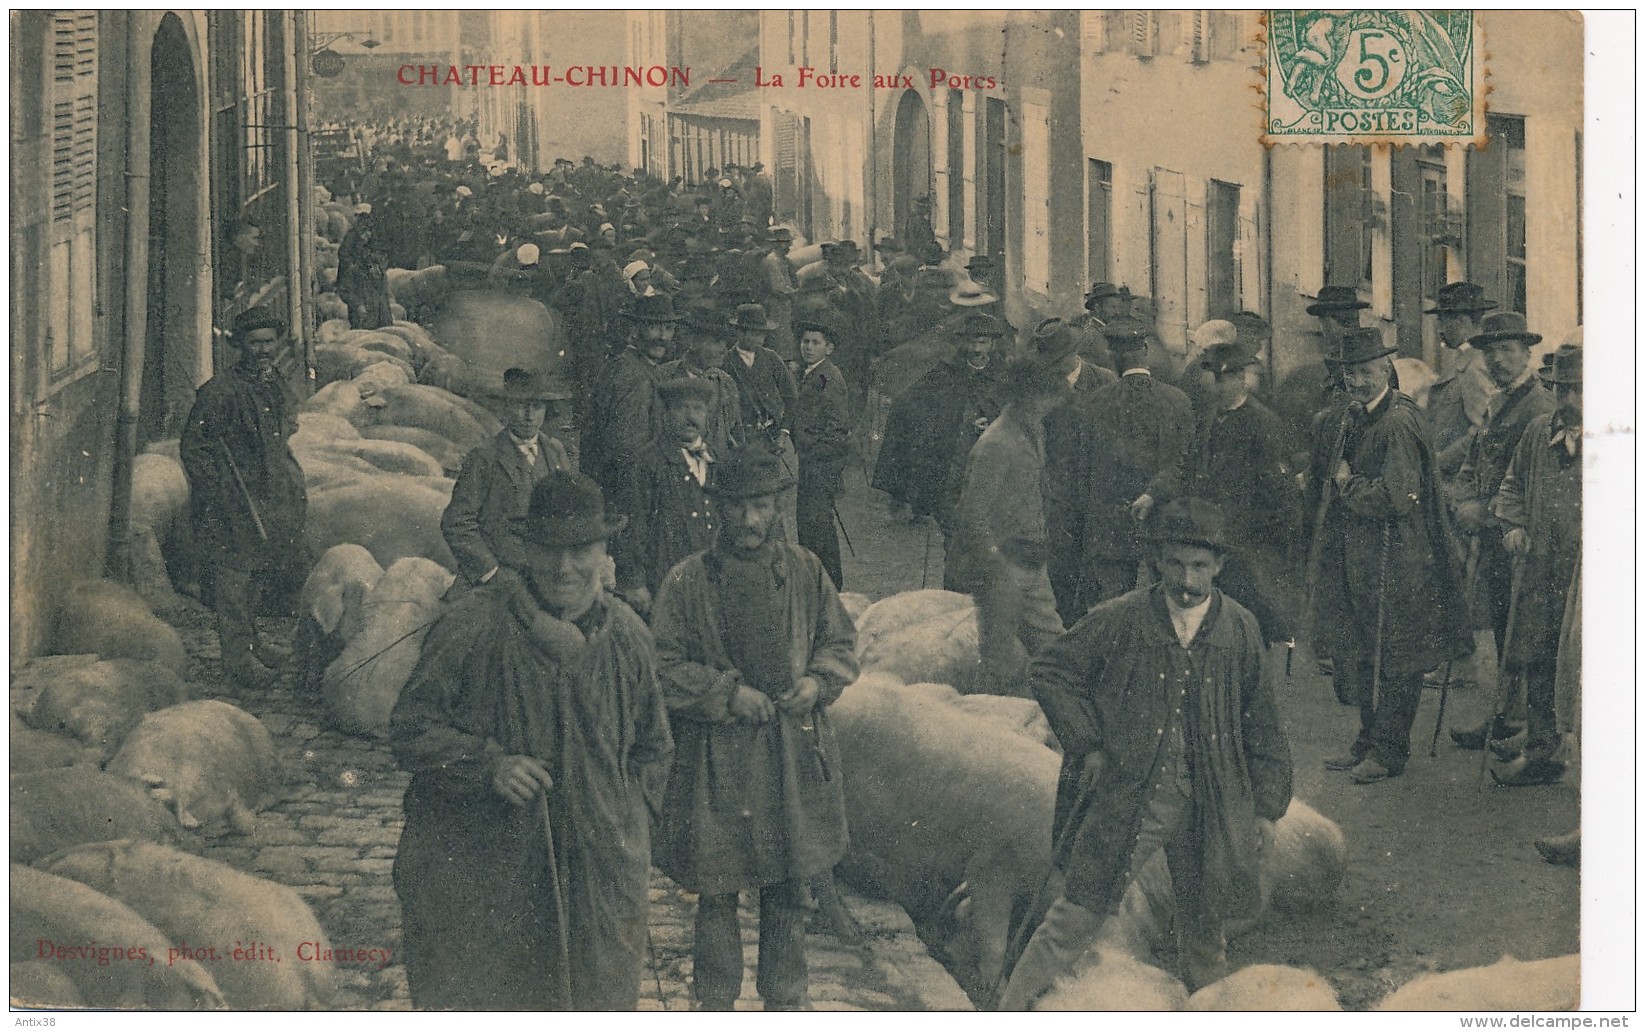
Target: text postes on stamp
1378	76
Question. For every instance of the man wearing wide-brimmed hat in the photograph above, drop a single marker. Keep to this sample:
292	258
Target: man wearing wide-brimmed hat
778	285
753	646
703	357
1458	398
1142	430
935	421
1540	507
248	503
1239	461
665	493
623	415
763	381
537	742
1312	387
1505	344
1388	601
494	486
822	434
1171	742
1068	429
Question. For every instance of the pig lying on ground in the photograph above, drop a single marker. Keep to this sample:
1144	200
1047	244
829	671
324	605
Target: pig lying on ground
215	762
55	809
112	620
389	456
1022	715
393	517
422	293
43	985
332	608
441	411
66	913
364	682
210	904
335	362
101	702
32	750
1266	987
330	306
1546	984
159	495
922	637
950	815
1111	980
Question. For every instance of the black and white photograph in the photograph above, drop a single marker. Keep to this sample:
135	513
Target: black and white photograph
865	511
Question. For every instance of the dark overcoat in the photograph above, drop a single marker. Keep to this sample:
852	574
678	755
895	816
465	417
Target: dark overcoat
1142	429
1068	430
930	431
242	423
473	870
766	389
623	417
1388	534
1107	686
493	488
750	805
1542	494
670	516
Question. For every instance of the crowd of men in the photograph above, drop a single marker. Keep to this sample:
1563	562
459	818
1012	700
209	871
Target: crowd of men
637	659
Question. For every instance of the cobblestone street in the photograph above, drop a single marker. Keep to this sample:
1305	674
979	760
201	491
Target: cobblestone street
333	841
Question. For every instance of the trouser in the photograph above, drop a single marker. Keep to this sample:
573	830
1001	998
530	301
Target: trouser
1541	723
1069	929
814	516
1385	714
1016	617
236	586
781	979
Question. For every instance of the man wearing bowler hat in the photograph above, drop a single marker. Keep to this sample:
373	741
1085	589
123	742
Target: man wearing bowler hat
1068	430
1171	742
763	381
753	646
666	493
537	742
247	500
623	413
933	424
1540	507
703	357
1505	344
494	486
1389	602
1143	429
778	286
1312	387
1458	398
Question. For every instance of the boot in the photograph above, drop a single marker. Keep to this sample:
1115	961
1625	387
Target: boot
1473	739
1529	773
249	672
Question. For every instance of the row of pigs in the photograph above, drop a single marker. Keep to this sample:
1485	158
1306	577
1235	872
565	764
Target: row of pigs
948	795
961	853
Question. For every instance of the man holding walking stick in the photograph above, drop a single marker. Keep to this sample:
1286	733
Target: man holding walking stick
1388	601
538	745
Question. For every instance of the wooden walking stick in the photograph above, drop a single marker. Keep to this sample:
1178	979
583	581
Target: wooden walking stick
1316	546
562	966
1382	591
1503	692
1445	685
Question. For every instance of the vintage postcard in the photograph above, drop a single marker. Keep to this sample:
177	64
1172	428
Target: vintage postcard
865	511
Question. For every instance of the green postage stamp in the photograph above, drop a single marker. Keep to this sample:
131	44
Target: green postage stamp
1373	76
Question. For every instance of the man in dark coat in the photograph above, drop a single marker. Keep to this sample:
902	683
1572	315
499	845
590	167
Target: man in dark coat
704	358
623	415
1540	504
1311	387
248	504
1143	428
1505	345
536	738
1238	462
670	513
362	276
1104	303
1459	396
1171	741
822	434
933	424
753	646
764	383
1068	430
494	486
1389	602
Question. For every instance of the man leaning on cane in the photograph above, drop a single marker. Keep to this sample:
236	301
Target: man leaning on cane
535	735
1389	603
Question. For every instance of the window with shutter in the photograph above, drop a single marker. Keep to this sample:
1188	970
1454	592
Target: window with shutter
785	155
1144	33
1196	35
72	276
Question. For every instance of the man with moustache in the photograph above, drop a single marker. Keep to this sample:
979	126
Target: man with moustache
1171	742
247	500
537	740
1505	344
670	515
494	485
753	646
1312	387
704	359
1389	604
623	414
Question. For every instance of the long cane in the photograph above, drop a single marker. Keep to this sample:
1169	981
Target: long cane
925	566
562	968
1382	592
1445	685
1316	545
843	533
1502	672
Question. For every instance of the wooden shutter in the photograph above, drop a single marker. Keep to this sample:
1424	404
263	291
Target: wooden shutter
785	155
72	272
